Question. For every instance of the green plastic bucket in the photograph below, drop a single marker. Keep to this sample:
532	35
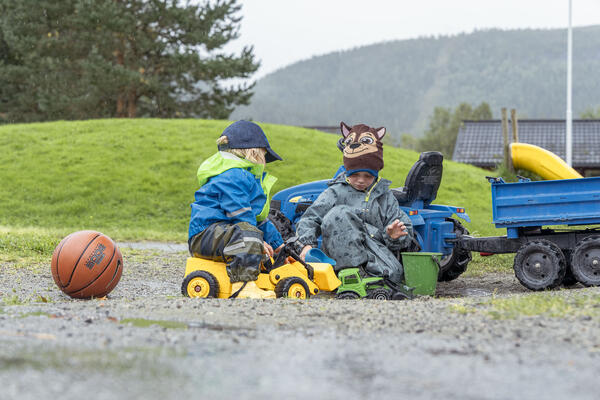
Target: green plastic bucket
421	271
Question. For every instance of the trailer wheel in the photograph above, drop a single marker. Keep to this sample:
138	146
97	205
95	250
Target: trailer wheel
455	263
540	265
585	261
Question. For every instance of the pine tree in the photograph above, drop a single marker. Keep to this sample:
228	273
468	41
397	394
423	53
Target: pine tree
76	59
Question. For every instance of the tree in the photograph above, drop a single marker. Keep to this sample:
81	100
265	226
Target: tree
590	113
408	141
6	58
79	59
444	125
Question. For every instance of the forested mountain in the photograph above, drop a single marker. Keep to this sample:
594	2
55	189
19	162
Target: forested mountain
397	84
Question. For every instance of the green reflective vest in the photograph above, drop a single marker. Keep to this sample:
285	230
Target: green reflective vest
222	161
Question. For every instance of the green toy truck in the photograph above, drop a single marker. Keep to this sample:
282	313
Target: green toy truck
355	287
420	277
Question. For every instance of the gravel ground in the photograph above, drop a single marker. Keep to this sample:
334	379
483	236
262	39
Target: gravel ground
51	345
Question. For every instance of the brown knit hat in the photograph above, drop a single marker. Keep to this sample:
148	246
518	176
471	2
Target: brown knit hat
363	148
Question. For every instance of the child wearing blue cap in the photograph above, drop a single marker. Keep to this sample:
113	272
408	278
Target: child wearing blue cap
228	221
357	216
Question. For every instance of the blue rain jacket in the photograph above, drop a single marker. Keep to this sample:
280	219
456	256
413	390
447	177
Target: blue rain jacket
233	190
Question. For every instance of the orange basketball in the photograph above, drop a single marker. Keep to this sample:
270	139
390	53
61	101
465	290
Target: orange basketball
87	264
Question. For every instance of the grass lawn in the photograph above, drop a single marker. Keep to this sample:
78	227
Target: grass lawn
578	304
134	179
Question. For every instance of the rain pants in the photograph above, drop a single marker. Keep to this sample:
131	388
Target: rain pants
352	225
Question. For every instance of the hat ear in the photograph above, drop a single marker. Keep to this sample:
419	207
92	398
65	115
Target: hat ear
345	129
380	132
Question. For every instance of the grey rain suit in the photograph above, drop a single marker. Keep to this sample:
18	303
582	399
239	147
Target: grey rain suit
352	224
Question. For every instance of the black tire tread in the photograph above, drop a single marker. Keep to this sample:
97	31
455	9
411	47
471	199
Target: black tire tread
283	286
383	291
577	273
347	295
210	278
459	258
552	249
282	224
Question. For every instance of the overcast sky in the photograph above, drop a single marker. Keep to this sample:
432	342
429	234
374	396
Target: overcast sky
286	31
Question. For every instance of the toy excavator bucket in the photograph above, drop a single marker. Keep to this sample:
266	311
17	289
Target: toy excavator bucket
325	277
317	256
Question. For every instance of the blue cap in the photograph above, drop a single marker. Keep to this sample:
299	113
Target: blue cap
248	135
371	171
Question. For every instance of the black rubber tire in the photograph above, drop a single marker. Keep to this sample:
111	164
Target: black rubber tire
400	296
213	284
282	224
380	294
454	264
347	296
585	261
540	265
283	287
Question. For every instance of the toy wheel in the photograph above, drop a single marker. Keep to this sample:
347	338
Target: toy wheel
540	265
380	294
455	263
585	261
200	284
292	288
282	224
347	296
400	296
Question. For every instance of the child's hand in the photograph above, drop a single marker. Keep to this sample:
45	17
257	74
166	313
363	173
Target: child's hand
396	229
267	249
304	251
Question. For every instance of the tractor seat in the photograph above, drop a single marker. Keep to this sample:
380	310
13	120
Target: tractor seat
422	181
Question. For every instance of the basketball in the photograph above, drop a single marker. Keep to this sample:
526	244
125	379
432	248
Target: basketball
87	264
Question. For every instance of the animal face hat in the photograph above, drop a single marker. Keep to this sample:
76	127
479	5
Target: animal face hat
362	148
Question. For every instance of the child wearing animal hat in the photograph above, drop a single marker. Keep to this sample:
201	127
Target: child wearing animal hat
357	216
228	221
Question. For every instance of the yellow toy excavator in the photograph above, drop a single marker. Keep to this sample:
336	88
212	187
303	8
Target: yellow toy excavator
296	279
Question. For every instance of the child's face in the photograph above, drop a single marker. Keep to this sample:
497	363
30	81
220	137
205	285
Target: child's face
361	180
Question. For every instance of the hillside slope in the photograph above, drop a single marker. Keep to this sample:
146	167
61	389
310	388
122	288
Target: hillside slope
135	179
397	84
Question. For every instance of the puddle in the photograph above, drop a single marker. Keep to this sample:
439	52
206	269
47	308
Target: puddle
165	247
474	292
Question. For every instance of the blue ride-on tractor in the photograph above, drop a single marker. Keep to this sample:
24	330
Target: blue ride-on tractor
435	228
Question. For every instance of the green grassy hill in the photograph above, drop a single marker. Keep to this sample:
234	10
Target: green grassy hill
135	179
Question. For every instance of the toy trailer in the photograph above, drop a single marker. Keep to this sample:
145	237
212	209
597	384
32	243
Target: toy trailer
537	217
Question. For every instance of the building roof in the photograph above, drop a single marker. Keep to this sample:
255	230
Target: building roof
480	142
